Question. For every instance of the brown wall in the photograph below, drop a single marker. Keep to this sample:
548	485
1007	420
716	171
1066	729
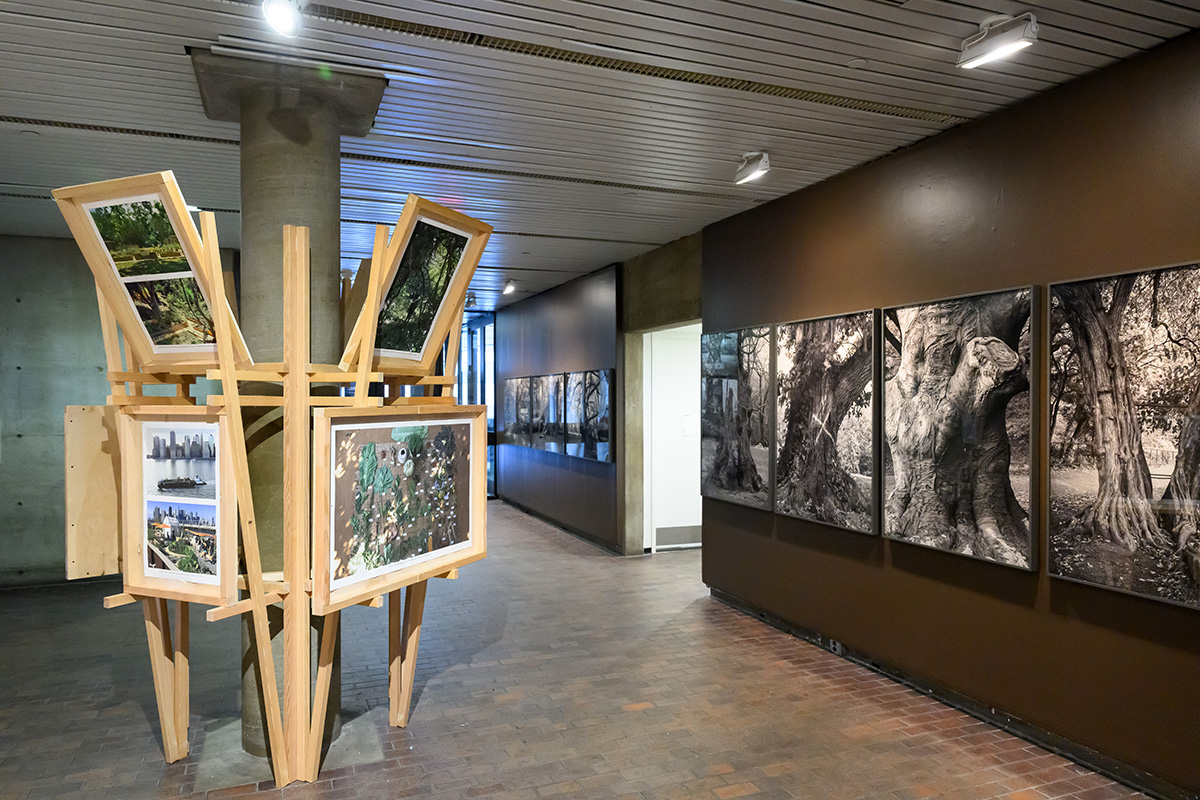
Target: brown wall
570	328
1097	177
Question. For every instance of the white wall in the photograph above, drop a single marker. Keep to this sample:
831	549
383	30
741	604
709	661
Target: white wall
672	429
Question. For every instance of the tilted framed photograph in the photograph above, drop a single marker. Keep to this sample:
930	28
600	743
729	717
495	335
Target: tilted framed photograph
399	496
958	464
1124	432
737	417
548	430
430	259
824	445
178	505
143	249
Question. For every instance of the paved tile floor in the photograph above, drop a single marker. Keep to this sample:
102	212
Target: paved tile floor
550	670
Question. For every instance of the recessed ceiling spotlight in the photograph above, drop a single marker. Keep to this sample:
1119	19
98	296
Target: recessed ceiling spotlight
999	37
856	63
195	209
28	132
510	287
753	167
470	299
284	15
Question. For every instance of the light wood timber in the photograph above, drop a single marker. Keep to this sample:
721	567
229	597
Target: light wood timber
371	312
233	410
320	707
297	642
118	600
162	668
218	613
410	637
92	458
182	683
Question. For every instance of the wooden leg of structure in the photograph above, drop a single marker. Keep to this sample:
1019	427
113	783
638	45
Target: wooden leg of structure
182	676
162	667
316	730
404	634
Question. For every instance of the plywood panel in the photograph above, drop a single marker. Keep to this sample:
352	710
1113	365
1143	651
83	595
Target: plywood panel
93	465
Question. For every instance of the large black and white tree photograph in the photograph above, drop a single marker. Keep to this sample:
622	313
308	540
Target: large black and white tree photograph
516	411
548	430
735	418
824	464
1124	431
957	424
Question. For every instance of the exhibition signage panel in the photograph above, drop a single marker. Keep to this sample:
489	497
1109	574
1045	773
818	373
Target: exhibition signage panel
824	448
180	523
1124	432
736	416
144	252
958	426
399	497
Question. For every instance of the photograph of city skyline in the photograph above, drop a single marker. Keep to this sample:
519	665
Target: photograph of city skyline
180	460
181	538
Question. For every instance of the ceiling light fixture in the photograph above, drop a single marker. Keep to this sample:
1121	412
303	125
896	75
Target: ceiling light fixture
470	299
999	37
510	287
753	167
284	15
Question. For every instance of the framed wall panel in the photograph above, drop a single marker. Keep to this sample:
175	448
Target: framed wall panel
736	416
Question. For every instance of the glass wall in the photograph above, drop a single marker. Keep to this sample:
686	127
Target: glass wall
477	376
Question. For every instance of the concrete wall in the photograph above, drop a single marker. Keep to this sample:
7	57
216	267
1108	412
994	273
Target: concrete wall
51	356
662	287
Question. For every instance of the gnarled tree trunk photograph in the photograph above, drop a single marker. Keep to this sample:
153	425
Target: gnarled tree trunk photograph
957	426
824	466
1125	438
735	427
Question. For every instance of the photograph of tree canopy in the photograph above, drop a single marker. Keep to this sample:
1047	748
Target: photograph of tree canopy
548	429
589	414
735	416
430	259
140	238
824	467
173	311
516	411
400	492
956	427
1124	431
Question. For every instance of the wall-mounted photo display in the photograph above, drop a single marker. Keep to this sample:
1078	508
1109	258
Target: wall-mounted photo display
548	430
957	460
400	497
1124	433
516	412
430	259
824	462
589	414
143	249
736	416
180	537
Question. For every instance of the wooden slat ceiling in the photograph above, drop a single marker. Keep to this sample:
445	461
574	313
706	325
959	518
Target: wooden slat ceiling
585	131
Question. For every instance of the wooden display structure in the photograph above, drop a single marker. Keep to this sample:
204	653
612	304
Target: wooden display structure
294	727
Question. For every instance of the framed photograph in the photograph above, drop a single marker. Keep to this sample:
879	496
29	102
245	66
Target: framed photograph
144	252
430	259
1124	432
548	429
824	446
516	412
589	414
736	416
399	496
957	426
179	508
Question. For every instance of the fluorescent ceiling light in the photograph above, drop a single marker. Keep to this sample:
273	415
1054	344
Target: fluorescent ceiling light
753	167
999	37
284	15
510	287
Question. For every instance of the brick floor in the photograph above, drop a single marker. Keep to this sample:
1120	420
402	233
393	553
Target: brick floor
549	670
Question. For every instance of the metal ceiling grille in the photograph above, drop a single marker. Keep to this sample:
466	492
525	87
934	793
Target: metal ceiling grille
390	24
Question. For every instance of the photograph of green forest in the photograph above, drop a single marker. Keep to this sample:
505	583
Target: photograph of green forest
417	290
173	311
140	238
1124	430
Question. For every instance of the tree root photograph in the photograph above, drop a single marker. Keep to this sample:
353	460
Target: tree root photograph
824	466
956	426
1124	431
735	417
